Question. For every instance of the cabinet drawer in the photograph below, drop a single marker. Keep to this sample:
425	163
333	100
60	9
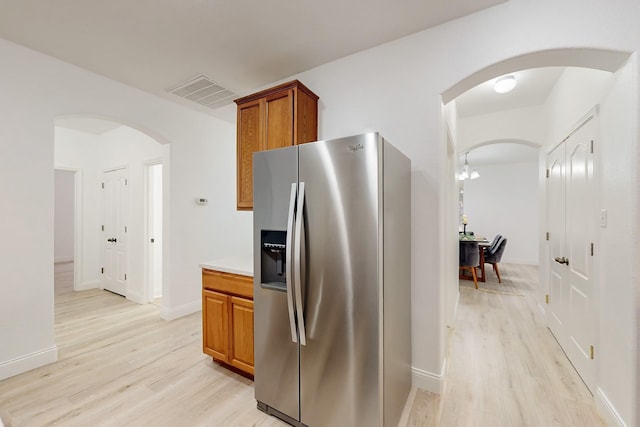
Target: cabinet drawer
228	283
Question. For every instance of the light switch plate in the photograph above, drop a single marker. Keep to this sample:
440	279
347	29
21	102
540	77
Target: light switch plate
603	218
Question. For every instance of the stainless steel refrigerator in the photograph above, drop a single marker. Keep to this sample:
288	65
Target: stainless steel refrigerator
332	282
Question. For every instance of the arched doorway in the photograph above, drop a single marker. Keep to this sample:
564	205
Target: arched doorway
615	105
98	148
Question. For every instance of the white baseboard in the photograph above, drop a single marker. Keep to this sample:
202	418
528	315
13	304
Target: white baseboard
607	410
135	297
180	311
428	381
62	259
28	362
92	284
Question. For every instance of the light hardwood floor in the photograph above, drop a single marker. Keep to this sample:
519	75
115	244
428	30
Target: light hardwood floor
121	365
504	366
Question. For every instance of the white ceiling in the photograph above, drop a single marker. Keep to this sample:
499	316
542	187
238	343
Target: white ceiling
500	153
155	45
244	44
532	88
87	124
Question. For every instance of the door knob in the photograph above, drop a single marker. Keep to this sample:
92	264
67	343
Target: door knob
112	240
561	260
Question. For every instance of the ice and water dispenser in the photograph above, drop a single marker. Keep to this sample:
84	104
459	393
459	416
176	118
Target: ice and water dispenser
273	259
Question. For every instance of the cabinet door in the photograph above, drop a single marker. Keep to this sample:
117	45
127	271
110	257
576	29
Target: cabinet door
215	325
241	348
305	125
279	116
250	140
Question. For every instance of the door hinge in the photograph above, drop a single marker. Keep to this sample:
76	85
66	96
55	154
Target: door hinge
547	235
102	270
125	228
546	299
126	182
591	352
102	227
592	146
103	185
125	277
547	173
591	249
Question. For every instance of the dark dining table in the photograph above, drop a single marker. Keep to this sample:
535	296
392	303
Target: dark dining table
482	243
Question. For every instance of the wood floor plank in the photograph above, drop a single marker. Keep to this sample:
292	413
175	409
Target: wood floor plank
505	368
121	365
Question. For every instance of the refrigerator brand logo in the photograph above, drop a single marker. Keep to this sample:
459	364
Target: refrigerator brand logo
355	147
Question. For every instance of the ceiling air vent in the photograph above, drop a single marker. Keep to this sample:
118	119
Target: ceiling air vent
204	91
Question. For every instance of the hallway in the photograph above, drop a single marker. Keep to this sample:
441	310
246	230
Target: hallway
504	366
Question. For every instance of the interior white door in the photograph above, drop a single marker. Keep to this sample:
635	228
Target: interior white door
556	215
154	261
115	231
581	229
572	189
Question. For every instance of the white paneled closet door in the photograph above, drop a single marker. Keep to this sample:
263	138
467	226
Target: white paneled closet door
572	216
115	231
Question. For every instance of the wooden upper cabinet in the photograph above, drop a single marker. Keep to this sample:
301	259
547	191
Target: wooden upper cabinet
250	137
281	116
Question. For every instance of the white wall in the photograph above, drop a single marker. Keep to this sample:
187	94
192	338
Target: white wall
526	124
155	215
130	148
36	89
81	151
63	216
616	272
618	264
122	147
576	92
394	88
504	200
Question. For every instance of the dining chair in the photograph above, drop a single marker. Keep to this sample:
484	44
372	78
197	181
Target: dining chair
469	258
493	245
494	257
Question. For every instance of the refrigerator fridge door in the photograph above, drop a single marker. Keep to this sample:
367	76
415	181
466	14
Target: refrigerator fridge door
340	363
275	347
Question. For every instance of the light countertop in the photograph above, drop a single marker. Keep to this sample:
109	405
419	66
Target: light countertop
235	265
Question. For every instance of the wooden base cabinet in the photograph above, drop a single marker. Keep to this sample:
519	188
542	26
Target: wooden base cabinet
277	117
227	319
241	342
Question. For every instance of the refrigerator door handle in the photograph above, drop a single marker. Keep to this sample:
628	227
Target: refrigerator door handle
289	262
299	235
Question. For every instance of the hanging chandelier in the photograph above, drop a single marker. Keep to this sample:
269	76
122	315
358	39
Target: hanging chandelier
467	171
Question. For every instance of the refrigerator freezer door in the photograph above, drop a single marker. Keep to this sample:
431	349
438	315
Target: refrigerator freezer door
298	262
276	356
340	364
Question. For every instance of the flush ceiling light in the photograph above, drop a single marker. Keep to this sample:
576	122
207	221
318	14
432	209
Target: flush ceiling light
505	84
